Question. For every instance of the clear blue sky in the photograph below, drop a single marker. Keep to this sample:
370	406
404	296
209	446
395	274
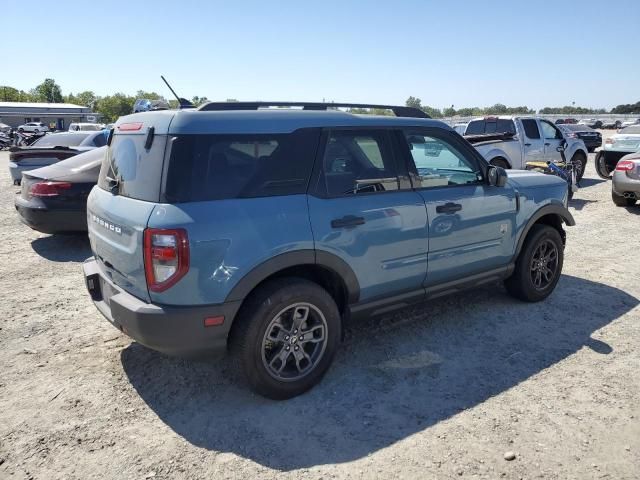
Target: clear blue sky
460	52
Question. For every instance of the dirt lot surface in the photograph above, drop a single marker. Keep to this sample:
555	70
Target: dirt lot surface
444	390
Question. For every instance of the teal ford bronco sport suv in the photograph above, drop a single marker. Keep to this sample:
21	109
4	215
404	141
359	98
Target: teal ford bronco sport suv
263	230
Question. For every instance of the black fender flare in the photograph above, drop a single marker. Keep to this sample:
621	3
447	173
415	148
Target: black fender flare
297	258
552	209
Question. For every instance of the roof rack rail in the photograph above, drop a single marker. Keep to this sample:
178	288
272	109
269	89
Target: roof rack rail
398	111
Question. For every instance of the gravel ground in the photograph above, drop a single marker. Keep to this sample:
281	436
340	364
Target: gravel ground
443	390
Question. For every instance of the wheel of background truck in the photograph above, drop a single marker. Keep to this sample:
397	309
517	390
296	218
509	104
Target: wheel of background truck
538	266
287	334
579	161
621	201
601	167
500	162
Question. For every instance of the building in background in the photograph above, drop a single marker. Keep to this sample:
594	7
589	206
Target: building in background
57	116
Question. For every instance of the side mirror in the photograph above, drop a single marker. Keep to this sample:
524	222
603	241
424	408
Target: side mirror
497	176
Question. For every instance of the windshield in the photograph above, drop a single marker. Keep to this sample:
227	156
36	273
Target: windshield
61	140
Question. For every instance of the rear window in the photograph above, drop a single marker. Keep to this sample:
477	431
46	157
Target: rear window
61	140
138	171
215	167
499	125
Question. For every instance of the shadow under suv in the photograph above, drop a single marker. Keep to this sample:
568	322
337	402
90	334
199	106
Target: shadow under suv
263	230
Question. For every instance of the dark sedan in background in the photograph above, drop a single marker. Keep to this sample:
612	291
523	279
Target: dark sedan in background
53	199
588	135
51	149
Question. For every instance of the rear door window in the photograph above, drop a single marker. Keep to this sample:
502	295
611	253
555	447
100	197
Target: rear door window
216	167
136	170
358	161
475	128
531	128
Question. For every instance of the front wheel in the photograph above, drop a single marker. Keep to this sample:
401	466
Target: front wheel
500	162
286	338
538	266
579	161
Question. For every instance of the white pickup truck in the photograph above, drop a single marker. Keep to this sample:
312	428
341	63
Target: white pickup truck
512	141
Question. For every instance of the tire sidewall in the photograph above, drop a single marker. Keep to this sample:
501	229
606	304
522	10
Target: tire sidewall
582	159
539	235
263	313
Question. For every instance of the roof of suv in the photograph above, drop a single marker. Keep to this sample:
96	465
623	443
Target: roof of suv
276	120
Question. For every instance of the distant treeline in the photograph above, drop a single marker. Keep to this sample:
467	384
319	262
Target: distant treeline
113	106
499	109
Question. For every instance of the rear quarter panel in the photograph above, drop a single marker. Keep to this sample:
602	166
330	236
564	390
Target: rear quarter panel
228	239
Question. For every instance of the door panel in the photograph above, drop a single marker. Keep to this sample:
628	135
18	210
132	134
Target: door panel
471	224
478	236
365	212
386	244
552	139
533	141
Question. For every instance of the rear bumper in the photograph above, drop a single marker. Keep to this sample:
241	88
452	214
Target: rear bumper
46	220
621	184
592	143
172	330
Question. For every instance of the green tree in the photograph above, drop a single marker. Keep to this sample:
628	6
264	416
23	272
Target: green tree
197	101
86	99
114	106
414	102
48	91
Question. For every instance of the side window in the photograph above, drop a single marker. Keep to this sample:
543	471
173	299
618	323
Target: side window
439	163
506	126
549	131
359	162
531	128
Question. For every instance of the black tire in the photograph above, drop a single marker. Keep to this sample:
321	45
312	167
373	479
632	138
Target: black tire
621	201
579	160
601	167
591	149
257	353
500	162
522	283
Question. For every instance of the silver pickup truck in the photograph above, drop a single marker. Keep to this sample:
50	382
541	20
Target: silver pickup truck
512	141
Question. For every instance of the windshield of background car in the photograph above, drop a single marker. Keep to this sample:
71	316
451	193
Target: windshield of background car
577	128
98	139
61	140
632	130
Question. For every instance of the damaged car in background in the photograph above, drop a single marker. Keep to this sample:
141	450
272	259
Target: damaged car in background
51	149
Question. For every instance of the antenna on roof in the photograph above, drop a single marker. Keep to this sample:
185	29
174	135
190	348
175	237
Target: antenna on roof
182	102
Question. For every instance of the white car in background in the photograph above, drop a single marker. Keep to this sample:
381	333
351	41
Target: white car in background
33	127
628	123
86	127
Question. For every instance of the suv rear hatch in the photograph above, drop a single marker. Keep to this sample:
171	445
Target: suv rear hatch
128	189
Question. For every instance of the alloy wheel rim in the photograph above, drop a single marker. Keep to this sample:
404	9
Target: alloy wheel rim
544	264
294	342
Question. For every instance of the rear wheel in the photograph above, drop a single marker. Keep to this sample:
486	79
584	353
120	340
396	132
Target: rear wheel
579	161
601	167
287	335
500	162
538	266
621	201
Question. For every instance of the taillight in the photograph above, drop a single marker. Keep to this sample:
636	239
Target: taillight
48	189
625	166
166	257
